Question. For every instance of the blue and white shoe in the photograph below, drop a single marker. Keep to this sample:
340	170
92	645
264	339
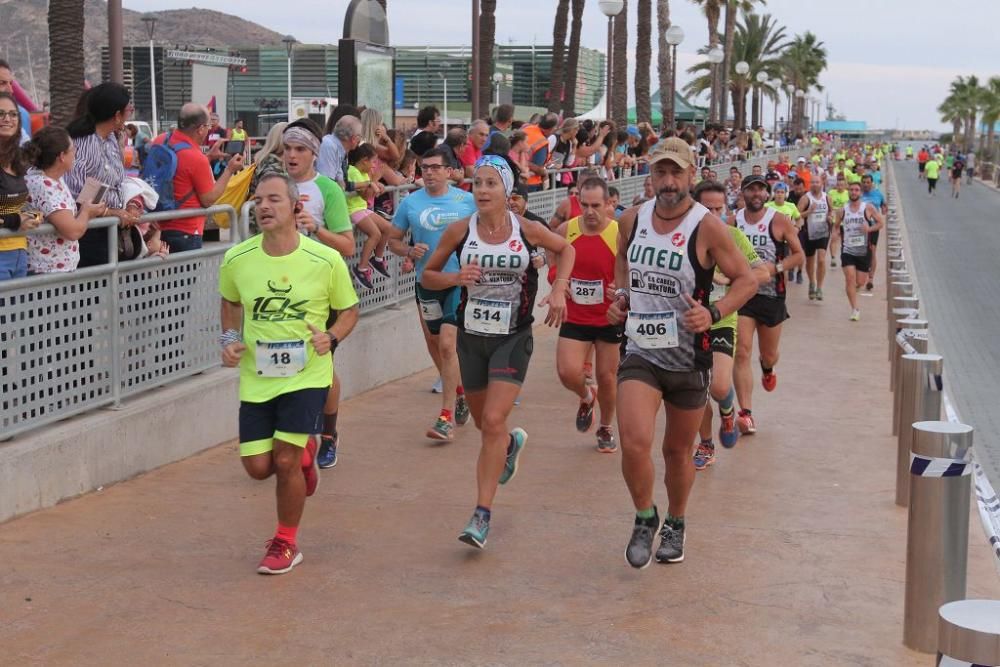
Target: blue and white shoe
518	439
477	530
327	456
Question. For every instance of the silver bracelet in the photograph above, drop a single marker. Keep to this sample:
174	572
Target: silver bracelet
230	336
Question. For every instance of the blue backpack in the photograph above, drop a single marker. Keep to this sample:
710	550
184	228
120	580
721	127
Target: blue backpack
159	170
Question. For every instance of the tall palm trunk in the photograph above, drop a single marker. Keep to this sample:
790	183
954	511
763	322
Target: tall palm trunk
487	41
619	85
727	62
66	73
643	56
558	56
573	58
712	13
663	60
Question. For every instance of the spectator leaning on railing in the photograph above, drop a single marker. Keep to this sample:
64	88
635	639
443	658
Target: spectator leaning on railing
103	111
194	186
13	192
332	163
51	153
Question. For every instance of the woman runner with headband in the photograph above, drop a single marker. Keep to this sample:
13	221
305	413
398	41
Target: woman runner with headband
498	285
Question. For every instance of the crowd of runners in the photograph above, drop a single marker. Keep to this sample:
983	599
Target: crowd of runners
655	303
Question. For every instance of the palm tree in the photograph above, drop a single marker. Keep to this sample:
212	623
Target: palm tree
66	73
713	10
643	56
733	7
663	66
558	55
573	58
487	42
804	60
952	112
759	41
619	75
991	110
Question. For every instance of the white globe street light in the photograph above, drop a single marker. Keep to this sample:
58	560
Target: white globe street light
674	35
742	68
611	9
762	78
716	55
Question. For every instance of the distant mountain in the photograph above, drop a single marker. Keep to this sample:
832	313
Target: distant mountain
25	35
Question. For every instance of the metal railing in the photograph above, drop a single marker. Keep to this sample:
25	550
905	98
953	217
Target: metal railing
73	342
936	462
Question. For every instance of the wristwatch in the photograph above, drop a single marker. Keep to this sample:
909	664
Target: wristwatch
778	268
621	292
716	315
333	342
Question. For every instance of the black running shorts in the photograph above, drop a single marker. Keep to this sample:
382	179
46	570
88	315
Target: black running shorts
862	264
484	359
589	334
767	310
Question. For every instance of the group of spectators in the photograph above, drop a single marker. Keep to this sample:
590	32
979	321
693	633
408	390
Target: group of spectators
343	170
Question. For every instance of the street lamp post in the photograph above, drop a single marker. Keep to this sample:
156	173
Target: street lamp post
444	79
611	9
715	56
476	46
289	43
800	94
497	78
790	89
776	85
674	36
759	104
742	68
150	22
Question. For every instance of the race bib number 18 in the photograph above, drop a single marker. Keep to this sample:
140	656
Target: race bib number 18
489	317
280	358
652	331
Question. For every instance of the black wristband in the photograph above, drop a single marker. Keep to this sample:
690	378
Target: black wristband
716	315
333	342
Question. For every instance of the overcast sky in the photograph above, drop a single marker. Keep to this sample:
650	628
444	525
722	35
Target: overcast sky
890	61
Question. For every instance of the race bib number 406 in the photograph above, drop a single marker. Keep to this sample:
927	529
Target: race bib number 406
489	317
652	331
280	358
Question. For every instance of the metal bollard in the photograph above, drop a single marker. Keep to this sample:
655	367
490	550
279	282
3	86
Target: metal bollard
897	286
895	303
905	323
969	633
919	392
916	339
937	528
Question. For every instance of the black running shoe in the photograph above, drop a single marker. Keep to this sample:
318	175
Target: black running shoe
639	552
671	544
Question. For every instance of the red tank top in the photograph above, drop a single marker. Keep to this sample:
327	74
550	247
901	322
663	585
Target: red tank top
593	272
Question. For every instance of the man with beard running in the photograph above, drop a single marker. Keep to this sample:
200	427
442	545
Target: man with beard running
854	223
426	214
667	251
594	235
815	236
776	241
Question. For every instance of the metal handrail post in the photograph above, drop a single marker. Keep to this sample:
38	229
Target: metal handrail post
921	383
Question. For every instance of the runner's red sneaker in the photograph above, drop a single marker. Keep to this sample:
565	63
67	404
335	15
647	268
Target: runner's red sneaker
769	380
281	557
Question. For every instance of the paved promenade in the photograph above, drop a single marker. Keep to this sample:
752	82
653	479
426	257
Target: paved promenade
795	552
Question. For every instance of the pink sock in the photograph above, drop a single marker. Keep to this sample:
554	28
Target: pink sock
286	533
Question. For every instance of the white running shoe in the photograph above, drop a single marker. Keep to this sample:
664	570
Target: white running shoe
855	315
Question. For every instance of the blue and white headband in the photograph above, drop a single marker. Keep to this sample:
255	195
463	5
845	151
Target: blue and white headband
500	165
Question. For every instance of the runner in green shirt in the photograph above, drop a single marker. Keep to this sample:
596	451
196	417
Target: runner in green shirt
712	195
278	288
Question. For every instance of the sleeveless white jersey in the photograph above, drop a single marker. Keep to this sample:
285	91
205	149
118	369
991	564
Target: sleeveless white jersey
502	301
853	231
816	225
662	268
768	249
